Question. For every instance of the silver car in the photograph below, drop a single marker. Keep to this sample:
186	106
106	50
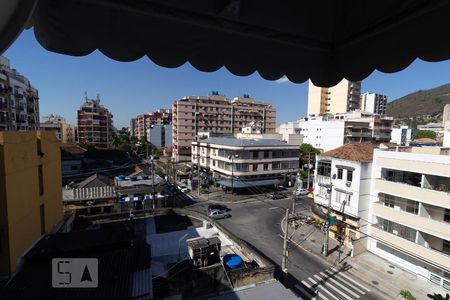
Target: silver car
218	214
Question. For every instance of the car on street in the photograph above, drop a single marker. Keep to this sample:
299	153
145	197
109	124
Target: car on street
217	207
218	214
301	192
183	188
276	196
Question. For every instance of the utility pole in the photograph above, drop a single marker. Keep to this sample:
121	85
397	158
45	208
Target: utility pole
198	169
153	181
326	225
309	167
285	250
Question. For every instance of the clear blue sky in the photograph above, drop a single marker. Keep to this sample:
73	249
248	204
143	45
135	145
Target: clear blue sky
128	89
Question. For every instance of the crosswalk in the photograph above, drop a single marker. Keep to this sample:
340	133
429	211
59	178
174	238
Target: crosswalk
331	284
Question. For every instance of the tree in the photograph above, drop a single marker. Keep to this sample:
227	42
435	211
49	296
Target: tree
407	295
424	134
307	151
123	140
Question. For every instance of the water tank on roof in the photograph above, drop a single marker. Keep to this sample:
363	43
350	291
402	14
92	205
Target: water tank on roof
121	177
233	261
133	178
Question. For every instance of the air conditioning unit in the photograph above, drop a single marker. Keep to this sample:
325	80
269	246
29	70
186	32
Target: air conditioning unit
348	184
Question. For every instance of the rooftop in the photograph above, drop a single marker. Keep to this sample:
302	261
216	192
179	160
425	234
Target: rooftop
96	180
360	152
245	142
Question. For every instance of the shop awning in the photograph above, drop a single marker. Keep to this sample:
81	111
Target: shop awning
325	40
247	184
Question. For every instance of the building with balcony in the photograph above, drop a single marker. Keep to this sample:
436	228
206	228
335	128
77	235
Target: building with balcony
374	103
64	132
332	131
160	136
245	163
410	211
343	181
30	193
141	123
401	135
345	96
95	123
19	101
218	116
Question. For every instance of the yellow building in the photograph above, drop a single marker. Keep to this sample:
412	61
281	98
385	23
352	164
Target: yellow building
343	97
30	192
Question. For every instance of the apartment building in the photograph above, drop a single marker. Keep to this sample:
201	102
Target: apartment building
30	192
401	135
345	96
343	180
141	123
160	136
374	103
216	115
332	131
19	101
411	210
95	123
64	132
245	163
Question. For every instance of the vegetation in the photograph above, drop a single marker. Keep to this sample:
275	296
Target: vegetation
407	295
305	149
123	140
424	134
421	103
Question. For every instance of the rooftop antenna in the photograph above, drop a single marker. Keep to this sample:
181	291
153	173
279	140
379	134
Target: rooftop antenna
98	97
85	96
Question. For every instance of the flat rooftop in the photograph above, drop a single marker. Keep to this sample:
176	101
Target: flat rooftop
234	142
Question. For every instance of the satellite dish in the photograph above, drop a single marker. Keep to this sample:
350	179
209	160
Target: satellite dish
334	176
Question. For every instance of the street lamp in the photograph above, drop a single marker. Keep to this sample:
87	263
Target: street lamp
232	157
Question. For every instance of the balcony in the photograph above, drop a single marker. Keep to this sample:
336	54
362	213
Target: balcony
433	227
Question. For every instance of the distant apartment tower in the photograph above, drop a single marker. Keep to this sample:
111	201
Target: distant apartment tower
64	132
19	101
30	192
446	117
141	123
216	115
345	96
160	136
95	123
374	103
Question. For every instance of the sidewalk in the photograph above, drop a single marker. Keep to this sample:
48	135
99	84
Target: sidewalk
384	277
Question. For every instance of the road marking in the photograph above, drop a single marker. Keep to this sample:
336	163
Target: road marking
333	287
321	295
350	279
304	292
336	275
274	207
340	285
321	287
307	284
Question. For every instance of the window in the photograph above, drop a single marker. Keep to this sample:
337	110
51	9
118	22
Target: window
447	215
255	167
324	168
266	154
266	167
412	207
349	175
389	201
276	165
340	173
41	180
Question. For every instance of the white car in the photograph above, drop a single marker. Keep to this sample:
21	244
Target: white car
301	192
183	188
218	214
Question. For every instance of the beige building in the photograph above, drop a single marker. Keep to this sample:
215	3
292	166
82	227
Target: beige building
64	132
343	97
411	210
30	192
216	115
19	101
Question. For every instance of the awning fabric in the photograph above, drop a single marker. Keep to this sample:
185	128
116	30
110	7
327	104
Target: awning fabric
247	184
325	40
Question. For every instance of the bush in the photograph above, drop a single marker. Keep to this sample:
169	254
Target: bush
407	295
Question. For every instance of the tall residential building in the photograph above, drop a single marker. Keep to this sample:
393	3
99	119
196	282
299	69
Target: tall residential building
216	115
345	96
374	103
401	135
31	160
64	132
141	123
411	210
19	101
160	136
95	123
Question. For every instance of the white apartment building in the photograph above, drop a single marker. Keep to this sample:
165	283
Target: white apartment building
344	174
401	135
374	103
245	163
345	96
446	115
216	115
19	101
160	136
410	211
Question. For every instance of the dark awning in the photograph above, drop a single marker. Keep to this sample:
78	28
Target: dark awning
324	40
247	184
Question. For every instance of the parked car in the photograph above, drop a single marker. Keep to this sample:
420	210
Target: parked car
276	196
183	188
301	192
217	207
218	214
